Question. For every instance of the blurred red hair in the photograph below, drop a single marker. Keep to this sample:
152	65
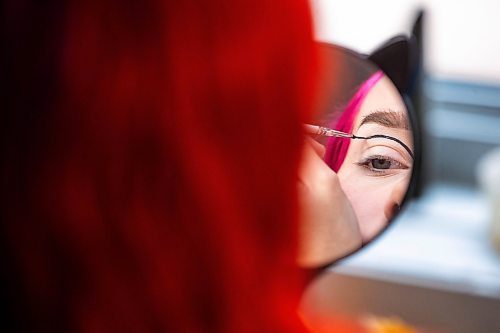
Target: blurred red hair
151	151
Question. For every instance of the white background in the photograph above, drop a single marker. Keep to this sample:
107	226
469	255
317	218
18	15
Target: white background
462	37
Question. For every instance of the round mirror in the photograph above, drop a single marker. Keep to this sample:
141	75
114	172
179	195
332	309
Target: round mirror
362	132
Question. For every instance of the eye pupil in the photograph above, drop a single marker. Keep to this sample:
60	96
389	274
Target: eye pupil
380	163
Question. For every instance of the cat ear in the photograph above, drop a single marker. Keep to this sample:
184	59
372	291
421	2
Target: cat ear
397	58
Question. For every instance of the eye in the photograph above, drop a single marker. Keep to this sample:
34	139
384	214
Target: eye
381	164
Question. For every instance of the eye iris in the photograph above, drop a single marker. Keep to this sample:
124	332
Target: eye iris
380	163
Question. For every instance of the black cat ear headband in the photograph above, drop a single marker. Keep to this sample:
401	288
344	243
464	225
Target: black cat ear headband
398	59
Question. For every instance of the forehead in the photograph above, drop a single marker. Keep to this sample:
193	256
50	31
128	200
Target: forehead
383	96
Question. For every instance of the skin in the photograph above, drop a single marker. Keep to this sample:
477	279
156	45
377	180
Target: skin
341	211
376	172
323	239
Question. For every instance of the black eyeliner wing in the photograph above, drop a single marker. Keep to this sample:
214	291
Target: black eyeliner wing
389	138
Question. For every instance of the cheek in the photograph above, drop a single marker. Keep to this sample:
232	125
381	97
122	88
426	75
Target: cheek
368	197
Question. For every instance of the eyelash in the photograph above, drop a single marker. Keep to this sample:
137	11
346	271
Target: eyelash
366	163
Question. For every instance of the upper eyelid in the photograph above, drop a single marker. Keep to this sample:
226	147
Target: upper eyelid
401	143
384	136
370	145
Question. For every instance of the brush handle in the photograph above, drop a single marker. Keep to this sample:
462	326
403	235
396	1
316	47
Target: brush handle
325	131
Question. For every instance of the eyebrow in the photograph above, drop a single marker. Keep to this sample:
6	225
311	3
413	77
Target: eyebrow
387	118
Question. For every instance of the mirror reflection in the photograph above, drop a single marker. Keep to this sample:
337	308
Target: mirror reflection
354	178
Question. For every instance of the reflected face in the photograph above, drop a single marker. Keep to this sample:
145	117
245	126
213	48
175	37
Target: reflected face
376	172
